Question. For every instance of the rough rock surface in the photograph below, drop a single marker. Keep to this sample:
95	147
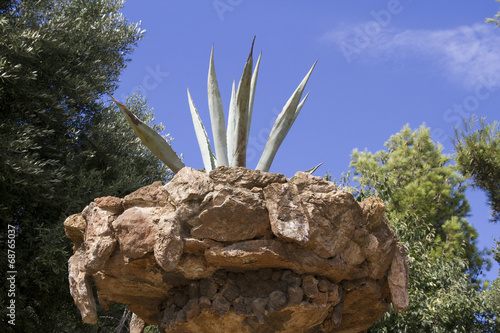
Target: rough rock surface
238	250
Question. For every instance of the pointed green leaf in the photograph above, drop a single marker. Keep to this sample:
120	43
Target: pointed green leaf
310	171
253	84
231	125
297	111
216	115
299	107
241	113
154	141
283	124
201	135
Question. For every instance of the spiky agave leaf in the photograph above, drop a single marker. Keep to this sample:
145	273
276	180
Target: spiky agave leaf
216	114
238	156
299	107
283	124
154	141
201	135
231	125
310	171
253	84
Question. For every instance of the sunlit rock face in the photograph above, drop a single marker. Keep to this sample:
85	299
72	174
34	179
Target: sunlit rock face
238	250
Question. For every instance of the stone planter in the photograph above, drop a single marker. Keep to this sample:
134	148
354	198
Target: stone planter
239	250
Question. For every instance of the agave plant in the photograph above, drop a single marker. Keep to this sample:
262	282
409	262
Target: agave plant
230	144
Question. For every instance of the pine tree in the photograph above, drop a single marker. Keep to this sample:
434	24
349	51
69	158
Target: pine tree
413	176
478	158
427	208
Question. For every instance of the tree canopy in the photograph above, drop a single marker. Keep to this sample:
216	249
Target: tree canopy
478	158
413	175
427	208
61	142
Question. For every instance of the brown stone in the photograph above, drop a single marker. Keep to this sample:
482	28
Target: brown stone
310	286
365	294
291	278
100	240
324	285
239	251
189	184
295	295
288	221
321	299
232	215
398	280
271	253
246	178
352	254
81	287
138	283
220	304
112	204
381	258
168	245
230	291
208	288
150	195
135	232
307	182
137	325
277	300
194	267
239	305
192	309
199	246
74	228
373	212
296	318
259	308
179	298
335	294
205	303
332	219
336	316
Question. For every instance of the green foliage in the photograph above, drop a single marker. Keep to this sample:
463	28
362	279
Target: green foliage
151	329
60	144
426	207
495	20
478	158
413	176
491	295
442	298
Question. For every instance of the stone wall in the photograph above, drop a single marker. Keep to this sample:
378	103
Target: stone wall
239	250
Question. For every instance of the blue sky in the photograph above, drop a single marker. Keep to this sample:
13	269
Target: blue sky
381	65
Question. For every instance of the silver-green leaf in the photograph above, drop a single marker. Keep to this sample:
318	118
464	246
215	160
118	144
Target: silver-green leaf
216	115
241	114
282	125
310	171
253	85
231	125
201	135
